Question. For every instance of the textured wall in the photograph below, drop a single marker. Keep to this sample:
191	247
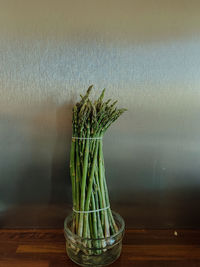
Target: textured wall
146	53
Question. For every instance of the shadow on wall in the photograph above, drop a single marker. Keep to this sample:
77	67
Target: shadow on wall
60	176
34	165
45	178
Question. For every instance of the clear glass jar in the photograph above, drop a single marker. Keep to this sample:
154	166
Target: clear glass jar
94	252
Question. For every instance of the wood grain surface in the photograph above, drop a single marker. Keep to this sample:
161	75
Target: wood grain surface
46	248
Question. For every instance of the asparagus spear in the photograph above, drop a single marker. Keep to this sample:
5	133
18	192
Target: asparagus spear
89	190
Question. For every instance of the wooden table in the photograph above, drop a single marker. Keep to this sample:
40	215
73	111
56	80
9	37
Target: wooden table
46	248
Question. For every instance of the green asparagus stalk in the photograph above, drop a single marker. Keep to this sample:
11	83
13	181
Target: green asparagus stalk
83	183
89	189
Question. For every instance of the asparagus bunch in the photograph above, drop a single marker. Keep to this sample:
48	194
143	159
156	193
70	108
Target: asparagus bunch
89	189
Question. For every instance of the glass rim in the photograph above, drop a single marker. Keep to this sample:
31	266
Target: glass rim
119	218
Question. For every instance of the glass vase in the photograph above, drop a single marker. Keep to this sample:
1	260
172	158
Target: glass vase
90	251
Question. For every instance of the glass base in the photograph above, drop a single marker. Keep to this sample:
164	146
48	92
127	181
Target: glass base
94	252
105	258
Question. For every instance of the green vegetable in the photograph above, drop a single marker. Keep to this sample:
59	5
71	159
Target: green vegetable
89	189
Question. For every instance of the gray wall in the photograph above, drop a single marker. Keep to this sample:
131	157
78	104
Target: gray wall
146	53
